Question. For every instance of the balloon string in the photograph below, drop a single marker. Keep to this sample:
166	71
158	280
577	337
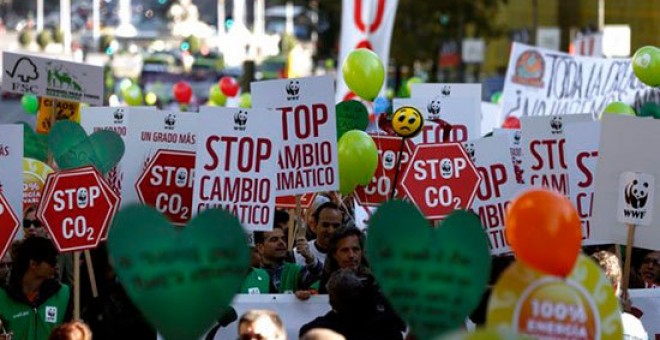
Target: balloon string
343	205
398	166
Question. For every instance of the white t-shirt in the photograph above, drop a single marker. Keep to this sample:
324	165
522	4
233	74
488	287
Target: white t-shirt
632	328
315	251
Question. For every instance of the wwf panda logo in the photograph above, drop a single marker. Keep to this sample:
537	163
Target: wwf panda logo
446	90
119	114
516	137
181	177
556	125
240	118
170	120
469	148
82	197
446	168
433	108
636	194
292	89
388	160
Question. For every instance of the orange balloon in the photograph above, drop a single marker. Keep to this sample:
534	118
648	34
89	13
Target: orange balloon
544	231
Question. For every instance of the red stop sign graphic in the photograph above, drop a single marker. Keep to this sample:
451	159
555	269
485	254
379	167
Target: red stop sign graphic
440	179
77	208
306	201
378	191
8	224
167	184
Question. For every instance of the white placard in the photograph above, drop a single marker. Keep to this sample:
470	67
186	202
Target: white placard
364	24
491	117
548	37
11	166
146	134
618	154
648	302
461	113
542	82
514	136
582	157
306	111
24	73
498	186
236	165
543	151
636	198
453	90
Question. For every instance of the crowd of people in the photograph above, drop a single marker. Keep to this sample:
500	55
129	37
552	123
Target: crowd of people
328	257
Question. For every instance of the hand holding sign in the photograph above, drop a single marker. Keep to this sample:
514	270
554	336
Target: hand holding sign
433	277
72	147
183	278
543	229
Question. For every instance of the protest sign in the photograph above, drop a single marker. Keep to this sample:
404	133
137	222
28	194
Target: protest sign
542	82
365	24
543	155
460	113
236	167
617	155
34	179
648	302
24	73
498	186
582	159
491	117
11	166
513	136
446	90
306	116
58	109
145	135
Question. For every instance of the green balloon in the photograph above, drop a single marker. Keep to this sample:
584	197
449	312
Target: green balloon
650	109
133	95
646	65
433	278
124	84
364	73
495	98
618	108
30	103
72	147
351	115
217	97
181	278
245	101
358	160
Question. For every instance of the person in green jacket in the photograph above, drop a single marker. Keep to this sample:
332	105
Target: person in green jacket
33	302
286	277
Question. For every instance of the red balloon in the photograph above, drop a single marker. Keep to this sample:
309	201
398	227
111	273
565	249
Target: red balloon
229	86
511	122
544	231
182	92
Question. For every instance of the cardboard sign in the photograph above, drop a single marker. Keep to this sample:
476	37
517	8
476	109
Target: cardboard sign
24	73
461	113
306	111
11	166
498	186
618	155
636	198
513	136
542	82
648	301
582	157
543	143
446	90
491	117
61	109
34	179
236	167
146	134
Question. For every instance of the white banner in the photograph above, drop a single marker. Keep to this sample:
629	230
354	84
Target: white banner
147	133
514	136
365	24
236	165
541	82
618	154
543	156
11	166
306	116
442	90
24	73
582	157
648	302
461	113
498	186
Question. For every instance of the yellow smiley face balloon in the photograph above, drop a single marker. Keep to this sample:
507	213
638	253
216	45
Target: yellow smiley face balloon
407	122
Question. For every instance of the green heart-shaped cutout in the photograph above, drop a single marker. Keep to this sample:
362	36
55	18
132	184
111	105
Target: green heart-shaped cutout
182	278
72	148
351	115
433	278
35	145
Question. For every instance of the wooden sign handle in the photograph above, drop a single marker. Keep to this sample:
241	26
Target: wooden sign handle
628	259
90	272
76	285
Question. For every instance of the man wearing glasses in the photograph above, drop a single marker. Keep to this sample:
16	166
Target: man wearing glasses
649	270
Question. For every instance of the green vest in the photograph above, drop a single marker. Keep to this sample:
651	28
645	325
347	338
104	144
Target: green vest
30	323
256	282
290	278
